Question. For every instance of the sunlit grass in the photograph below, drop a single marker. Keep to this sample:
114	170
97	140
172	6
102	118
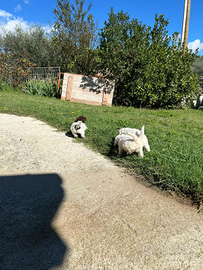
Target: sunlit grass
175	136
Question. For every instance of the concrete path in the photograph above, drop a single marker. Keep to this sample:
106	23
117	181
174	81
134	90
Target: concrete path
63	206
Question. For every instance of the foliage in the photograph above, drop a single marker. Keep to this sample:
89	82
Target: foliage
36	44
5	86
198	65
74	36
42	88
147	65
14	68
175	137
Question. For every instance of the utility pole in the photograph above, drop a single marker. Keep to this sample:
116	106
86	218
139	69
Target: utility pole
185	27
184	20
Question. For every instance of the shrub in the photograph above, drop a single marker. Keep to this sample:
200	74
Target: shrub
14	69
147	65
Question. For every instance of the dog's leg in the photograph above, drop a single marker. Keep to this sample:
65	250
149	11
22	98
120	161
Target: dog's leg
75	135
120	151
140	153
115	142
82	134
129	152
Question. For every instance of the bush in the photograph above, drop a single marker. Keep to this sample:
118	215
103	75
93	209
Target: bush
147	65
14	69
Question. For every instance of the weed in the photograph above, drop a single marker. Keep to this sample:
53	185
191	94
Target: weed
42	88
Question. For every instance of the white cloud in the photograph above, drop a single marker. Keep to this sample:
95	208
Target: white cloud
195	44
17	8
26	1
47	29
5	14
9	22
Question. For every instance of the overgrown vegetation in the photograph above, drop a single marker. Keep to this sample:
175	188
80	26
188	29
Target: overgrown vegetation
34	42
147	64
14	68
198	66
74	36
175	137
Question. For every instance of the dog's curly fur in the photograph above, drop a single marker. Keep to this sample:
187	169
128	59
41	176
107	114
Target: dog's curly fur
78	128
81	118
121	137
138	133
129	143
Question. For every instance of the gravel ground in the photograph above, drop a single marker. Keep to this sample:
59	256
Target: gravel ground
63	206
30	145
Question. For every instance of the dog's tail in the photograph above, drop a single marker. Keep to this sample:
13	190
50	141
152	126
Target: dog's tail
144	139
142	131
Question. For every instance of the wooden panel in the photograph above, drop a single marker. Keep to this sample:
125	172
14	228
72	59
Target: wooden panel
69	87
64	86
86	89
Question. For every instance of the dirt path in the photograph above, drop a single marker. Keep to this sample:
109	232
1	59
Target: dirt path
62	206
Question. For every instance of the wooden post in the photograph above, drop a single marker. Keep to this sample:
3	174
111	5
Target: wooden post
58	84
186	26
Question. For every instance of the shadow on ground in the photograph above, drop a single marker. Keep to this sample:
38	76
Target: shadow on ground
69	134
28	204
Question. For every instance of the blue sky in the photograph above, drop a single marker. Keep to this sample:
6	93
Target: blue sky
29	12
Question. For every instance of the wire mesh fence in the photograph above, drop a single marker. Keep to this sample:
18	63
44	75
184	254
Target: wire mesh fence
44	73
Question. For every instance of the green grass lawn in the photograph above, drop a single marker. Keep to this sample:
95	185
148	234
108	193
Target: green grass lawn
175	137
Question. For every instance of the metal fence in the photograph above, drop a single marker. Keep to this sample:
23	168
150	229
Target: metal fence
44	73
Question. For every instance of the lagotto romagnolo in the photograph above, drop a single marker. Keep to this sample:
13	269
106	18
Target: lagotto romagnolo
131	140
138	133
78	127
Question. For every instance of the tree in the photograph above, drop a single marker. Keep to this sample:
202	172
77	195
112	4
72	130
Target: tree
147	65
74	35
34	42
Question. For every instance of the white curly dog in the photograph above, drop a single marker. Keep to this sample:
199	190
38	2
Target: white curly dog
131	140
78	128
138	133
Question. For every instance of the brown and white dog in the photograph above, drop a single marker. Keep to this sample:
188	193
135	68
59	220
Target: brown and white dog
81	118
79	127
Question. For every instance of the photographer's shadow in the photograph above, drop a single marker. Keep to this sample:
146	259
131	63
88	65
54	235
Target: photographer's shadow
28	204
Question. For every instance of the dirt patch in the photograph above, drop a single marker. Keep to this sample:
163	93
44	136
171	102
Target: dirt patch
30	145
